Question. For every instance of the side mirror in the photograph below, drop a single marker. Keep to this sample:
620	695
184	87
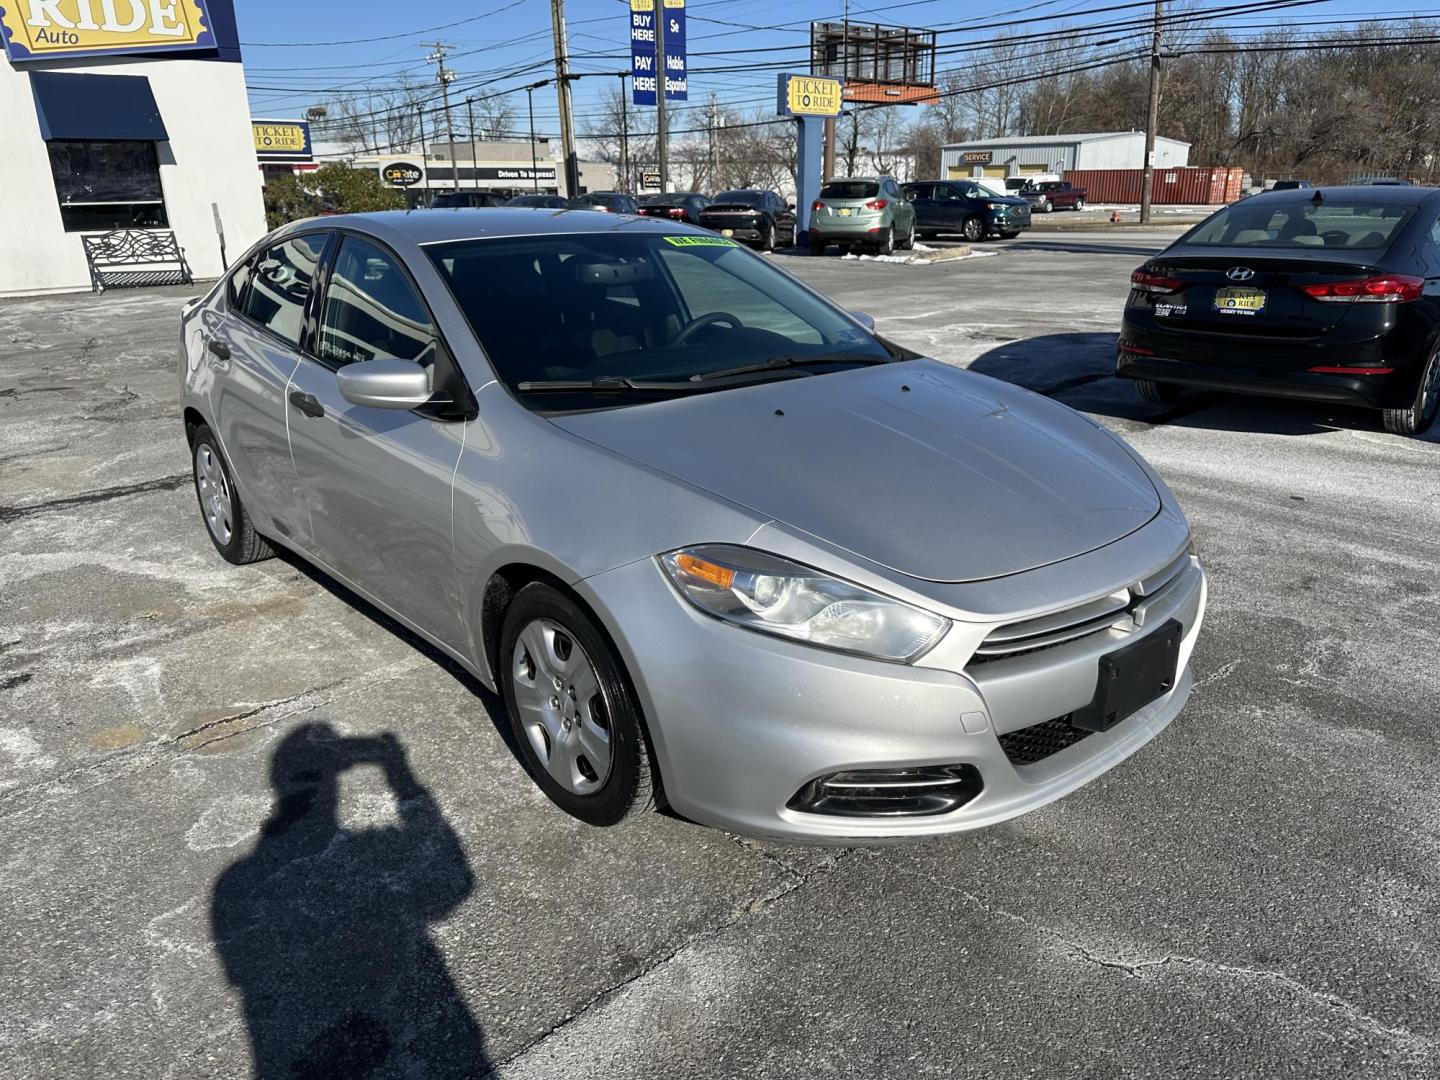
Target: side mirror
867	321
385	384
789	206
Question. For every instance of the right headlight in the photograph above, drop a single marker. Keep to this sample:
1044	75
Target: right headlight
772	595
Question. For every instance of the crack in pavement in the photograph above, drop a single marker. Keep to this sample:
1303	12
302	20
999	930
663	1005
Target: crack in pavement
1137	968
758	906
164	483
138	758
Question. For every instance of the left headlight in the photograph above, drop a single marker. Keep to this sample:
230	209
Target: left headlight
776	596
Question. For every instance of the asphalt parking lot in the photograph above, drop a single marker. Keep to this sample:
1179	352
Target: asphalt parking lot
1254	894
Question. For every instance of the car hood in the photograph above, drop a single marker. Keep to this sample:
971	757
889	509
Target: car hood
932	471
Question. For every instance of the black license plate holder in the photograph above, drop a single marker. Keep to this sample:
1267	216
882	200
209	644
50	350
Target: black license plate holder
1132	677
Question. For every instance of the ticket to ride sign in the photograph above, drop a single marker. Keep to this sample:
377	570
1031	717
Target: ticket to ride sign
282	140
809	95
36	28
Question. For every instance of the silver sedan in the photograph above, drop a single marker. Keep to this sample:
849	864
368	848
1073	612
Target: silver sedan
715	543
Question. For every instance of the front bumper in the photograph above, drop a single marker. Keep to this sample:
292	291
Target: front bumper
741	721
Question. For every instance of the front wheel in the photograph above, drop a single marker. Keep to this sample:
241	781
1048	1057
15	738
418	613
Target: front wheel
1162	392
767	238
574	715
1421	412
226	518
1046	207
1079	205
973	230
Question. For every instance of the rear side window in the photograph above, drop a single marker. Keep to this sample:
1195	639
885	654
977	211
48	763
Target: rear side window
280	285
850	189
1335	223
372	311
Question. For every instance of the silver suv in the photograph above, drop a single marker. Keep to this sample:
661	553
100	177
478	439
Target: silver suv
862	211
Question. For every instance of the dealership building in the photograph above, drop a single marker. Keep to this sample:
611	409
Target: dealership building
1030	155
122	114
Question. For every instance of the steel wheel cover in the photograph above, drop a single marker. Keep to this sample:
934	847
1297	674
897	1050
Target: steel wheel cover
563	709
214	491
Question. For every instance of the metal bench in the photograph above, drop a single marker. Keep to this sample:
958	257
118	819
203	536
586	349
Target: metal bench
135	248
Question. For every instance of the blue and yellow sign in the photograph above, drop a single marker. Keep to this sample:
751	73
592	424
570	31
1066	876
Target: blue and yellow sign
282	140
810	95
39	28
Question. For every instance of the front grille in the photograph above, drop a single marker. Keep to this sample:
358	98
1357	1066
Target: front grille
1039	741
1122	609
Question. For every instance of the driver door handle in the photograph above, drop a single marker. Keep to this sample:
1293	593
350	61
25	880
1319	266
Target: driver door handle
308	404
219	348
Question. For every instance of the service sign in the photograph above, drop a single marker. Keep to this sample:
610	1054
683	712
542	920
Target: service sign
401	173
282	140
810	95
643	60
977	157
39	28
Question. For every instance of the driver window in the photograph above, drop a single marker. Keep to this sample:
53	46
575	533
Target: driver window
372	311
707	289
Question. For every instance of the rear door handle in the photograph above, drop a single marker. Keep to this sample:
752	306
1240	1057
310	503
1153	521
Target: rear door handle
219	348
308	404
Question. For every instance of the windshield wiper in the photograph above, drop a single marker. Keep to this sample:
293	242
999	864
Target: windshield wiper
601	384
776	363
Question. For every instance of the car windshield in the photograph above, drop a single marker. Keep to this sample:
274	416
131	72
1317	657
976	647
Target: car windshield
850	189
742	198
641	308
1337	222
663	200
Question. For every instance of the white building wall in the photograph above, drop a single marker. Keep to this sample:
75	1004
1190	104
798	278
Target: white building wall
210	158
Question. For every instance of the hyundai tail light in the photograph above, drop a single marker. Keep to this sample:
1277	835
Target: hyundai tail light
877	204
1148	281
1378	289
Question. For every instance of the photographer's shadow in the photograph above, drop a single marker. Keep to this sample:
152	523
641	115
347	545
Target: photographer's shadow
324	929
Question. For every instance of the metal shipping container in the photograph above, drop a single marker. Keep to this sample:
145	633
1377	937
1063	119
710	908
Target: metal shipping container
1184	186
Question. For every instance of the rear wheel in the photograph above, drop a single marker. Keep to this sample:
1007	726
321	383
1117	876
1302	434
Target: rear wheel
1421	413
1151	390
767	238
908	244
226	519
1079	205
973	229
886	244
572	710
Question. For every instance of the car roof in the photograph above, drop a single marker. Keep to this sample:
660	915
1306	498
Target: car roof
862	179
437	226
1371	193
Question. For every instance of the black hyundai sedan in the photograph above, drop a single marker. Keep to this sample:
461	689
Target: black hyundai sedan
1327	294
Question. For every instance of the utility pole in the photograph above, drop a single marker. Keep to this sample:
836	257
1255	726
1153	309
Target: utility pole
470	127
534	165
562	84
662	128
714	155
624	184
446	77
424	165
1152	118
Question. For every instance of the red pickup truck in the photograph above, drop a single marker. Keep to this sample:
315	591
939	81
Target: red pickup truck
1054	195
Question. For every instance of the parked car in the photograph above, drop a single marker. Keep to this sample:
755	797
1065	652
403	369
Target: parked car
1289	185
1048	195
964	207
540	202
467	199
862	211
761	218
644	484
610	202
676	206
1326	294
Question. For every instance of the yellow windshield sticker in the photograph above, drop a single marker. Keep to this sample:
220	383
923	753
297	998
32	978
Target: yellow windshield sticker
700	241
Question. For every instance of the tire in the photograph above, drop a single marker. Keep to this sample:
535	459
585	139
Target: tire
227	522
537	665
1417	418
1046	207
886	245
1079	205
908	244
817	247
973	229
1162	392
767	238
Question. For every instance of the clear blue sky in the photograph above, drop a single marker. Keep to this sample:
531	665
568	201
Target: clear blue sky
510	42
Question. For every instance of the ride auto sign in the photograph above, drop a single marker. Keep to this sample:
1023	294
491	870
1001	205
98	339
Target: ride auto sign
38	28
643	61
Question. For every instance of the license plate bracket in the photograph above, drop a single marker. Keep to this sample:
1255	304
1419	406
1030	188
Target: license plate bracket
1132	677
1240	301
